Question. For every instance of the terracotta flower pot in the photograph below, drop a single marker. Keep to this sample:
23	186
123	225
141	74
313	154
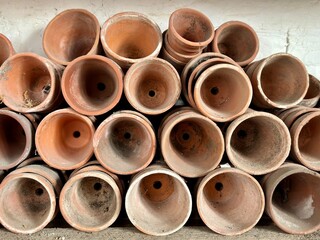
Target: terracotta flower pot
16	138
125	143
129	37
216	92
257	142
178	65
27	202
71	34
279	73
152	86
230	201
158	201
64	139
313	94
191	144
91	199
237	40
296	113
92	85
6	47
189	31
292	199
305	135
30	83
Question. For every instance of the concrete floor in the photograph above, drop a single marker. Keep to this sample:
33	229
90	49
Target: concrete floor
125	233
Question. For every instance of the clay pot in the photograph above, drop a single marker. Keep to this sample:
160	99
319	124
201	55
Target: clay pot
191	144
27	202
237	40
292	198
189	31
257	142
129	37
305	135
64	139
91	199
296	113
152	86
71	34
16	138
280	73
230	201
178	65
313	94
92	85
216	92
125	143
6	47
158	201
30	83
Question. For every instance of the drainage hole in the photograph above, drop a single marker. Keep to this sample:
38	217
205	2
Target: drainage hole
39	191
101	86
214	91
46	89
76	134
97	186
127	135
219	186
157	185
152	93
185	136
242	134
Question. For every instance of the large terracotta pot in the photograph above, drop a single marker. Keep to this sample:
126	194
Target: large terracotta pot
6	47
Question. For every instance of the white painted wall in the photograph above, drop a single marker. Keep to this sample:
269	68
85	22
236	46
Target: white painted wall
282	25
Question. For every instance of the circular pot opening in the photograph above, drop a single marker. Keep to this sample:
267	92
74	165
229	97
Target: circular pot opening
314	88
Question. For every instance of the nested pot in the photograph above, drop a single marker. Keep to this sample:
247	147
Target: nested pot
237	40
6	47
92	84
293	198
152	86
71	34
125	142
191	144
230	201
129	37
30	83
313	94
257	142
64	139
158	201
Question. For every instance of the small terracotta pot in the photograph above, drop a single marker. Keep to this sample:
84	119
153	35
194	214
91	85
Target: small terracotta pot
71	34
189	30
230	201
178	65
125	143
191	144
30	83
129	37
292	198
257	142
27	202
216	92
296	113
64	139
158	201
237	40
92	85
305	135
91	200
6	47
152	86
313	94
280	73
16	138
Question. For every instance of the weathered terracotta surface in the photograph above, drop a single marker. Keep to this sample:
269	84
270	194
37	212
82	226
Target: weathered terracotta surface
257	142
277	74
237	40
125	142
91	199
27	202
92	85
30	83
178	65
295	113
313	94
305	135
230	201
64	139
128	37
293	198
6	47
152	86
158	201
191	144
71	34
16	138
